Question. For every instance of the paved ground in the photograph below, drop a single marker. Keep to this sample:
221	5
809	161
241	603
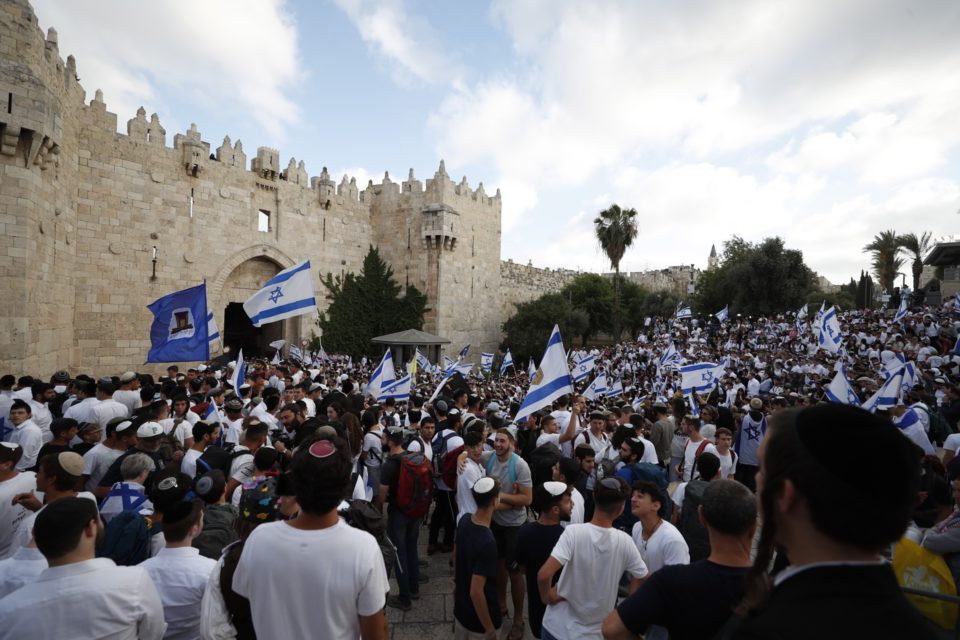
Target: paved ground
432	615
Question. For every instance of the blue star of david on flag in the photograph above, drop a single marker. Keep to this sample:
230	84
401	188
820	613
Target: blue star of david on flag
275	295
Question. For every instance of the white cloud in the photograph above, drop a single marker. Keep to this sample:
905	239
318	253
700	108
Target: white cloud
234	56
405	41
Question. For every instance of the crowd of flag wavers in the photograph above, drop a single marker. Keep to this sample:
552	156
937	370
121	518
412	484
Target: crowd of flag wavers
786	476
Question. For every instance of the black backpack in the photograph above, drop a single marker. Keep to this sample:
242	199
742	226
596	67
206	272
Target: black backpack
693	532
127	538
219	530
363	515
214	457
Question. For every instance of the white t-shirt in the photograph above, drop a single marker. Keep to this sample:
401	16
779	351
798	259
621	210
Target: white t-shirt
952	443
415	447
544	438
311	584
23	567
465	481
96	462
665	546
728	464
11	516
373	446
24	535
593	560
576	513
690	454
180	575
106	411
128	398
188	464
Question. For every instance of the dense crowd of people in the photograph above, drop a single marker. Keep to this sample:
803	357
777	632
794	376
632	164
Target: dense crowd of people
763	506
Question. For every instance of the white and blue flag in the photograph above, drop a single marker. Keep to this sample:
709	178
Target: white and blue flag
902	311
213	333
295	353
180	325
276	358
507	362
448	363
531	369
383	374
701	376
486	362
286	295
616	389
694	405
723	315
597	387
552	379
671	357
840	391
397	389
422	361
465	351
887	396
239	373
830	337
582	368
684	312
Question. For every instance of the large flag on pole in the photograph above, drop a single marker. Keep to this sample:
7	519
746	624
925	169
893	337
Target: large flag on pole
383	374
830	338
684	312
285	295
597	386
179	329
700	377
902	311
841	391
671	357
507	362
582	368
552	379
397	389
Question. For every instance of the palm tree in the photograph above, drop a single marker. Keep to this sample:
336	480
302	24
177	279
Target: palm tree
916	247
886	258
616	230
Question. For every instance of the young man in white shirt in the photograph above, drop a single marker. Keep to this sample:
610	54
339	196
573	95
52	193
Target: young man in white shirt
659	542
593	556
204	434
108	408
695	446
728	457
551	428
315	576
25	433
178	570
91	596
101	456
472	471
129	392
12	483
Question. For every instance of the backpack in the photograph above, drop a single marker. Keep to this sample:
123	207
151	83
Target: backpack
696	456
414	485
693	532
169	444
939	427
511	467
214	457
218	531
542	461
439	444
448	468
362	515
127	538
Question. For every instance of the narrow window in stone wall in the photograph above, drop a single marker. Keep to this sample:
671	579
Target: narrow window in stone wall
191	202
9	103
324	229
148	135
263	221
408	239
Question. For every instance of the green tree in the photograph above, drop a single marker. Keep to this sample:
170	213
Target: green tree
616	230
885	253
592	294
528	329
366	305
633	303
660	303
755	279
917	247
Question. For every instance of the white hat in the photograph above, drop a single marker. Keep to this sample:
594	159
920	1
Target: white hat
555	488
127	376
485	485
149	430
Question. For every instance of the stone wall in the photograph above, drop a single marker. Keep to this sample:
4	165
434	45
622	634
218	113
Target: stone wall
522	283
82	207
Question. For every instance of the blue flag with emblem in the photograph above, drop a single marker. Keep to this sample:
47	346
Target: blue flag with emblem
552	379
286	295
179	329
507	362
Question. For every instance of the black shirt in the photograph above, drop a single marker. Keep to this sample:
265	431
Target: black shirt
692	601
535	541
389	474
476	556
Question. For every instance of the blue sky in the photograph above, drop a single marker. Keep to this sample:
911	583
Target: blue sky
819	122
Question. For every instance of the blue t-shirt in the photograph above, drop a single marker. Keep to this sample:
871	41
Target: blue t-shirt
476	556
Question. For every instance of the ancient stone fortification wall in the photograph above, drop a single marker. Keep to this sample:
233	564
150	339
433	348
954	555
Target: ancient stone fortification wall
82	207
522	283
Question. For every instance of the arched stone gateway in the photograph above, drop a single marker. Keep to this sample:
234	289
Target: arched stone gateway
242	275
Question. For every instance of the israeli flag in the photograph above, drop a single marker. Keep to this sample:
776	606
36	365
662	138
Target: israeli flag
700	377
212	413
463	368
897	363
239	373
323	355
507	362
486	362
286	295
616	390
723	315
671	357
422	361
694	406
276	358
830	337
213	333
596	388
888	395
448	363
552	379
637	404
531	369
180	325
396	389
841	391
802	312
296	354
911	426
684	312
383	374
465	351
583	368
902	311
956	303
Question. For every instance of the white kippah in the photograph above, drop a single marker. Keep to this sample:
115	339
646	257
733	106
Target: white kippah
484	485
555	488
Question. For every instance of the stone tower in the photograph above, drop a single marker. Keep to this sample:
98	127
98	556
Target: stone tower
712	260
84	210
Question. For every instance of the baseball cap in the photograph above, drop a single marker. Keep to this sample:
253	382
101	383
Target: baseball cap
149	430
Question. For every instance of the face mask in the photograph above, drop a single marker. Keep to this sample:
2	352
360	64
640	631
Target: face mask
60	388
